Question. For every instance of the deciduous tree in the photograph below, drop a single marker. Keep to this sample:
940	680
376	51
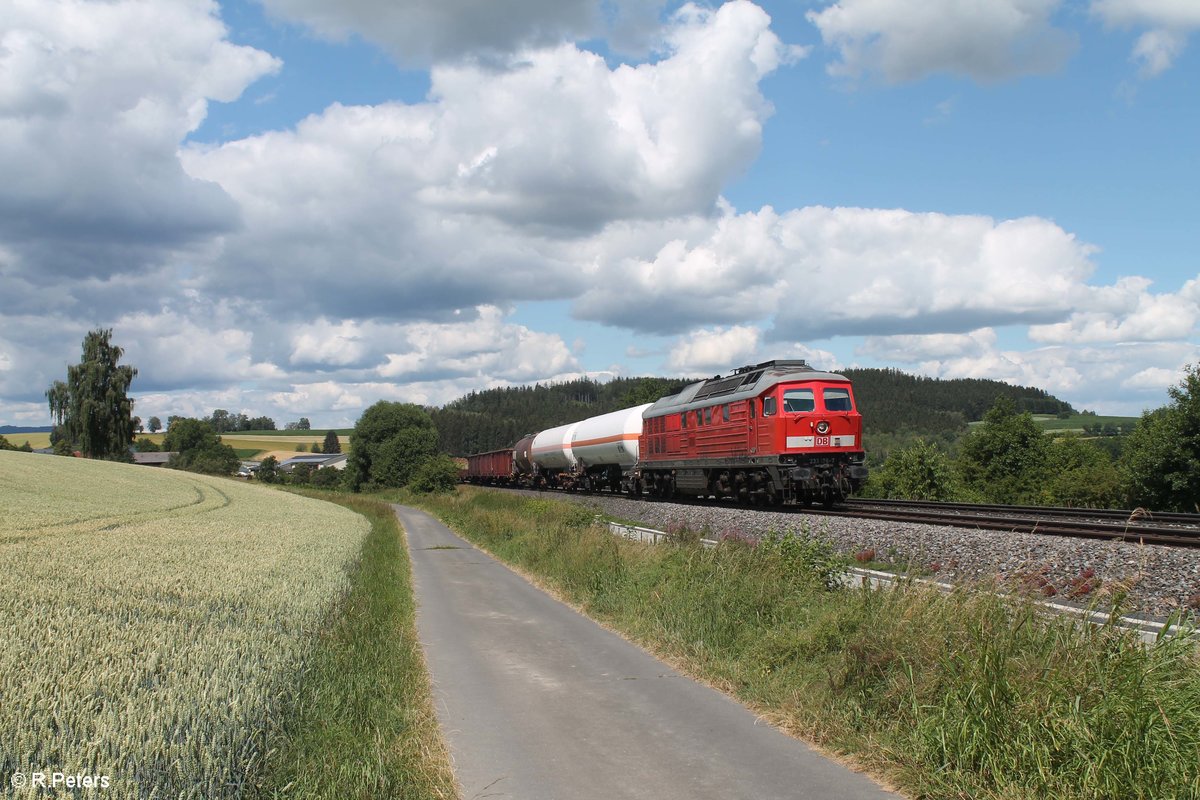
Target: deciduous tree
388	444
1162	457
919	472
1004	459
197	448
92	409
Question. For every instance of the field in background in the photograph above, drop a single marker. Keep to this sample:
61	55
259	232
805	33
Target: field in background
36	440
155	621
281	445
1077	422
250	444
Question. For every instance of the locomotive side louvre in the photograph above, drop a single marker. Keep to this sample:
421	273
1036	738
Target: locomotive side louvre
778	431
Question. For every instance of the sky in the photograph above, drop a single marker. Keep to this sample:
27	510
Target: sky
297	208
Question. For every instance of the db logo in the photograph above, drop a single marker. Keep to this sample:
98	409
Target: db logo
822	441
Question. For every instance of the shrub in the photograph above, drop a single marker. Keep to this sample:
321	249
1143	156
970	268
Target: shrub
327	478
437	474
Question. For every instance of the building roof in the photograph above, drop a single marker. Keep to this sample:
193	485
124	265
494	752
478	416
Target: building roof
152	459
315	459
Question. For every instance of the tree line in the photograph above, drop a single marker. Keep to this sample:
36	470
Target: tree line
1009	459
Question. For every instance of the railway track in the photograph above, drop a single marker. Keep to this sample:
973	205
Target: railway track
1175	530
1138	527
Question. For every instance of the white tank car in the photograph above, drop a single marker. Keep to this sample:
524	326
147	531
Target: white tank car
609	438
552	448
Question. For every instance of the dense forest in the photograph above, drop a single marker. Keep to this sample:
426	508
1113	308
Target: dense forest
891	402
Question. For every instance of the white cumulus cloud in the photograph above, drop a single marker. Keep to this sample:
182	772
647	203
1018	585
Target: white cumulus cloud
1169	23
420	31
988	40
1126	312
94	100
479	195
909	349
819	272
709	352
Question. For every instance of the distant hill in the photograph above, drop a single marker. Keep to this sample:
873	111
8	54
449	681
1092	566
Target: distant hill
891	402
7	429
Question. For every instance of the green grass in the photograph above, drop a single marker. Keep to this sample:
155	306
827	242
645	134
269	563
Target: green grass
945	696
361	724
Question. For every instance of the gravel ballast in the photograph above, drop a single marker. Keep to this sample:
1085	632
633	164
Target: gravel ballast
1160	580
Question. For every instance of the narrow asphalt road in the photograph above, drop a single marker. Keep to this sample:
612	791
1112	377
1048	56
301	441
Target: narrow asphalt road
540	703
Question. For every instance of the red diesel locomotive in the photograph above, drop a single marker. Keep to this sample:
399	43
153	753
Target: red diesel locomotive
772	433
776	432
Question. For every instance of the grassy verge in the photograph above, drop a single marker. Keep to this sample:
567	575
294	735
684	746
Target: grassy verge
361	724
945	696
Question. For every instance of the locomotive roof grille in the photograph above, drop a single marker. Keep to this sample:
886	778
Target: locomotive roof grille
743	382
745	376
791	365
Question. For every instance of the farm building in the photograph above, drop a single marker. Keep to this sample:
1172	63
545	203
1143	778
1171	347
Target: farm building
317	460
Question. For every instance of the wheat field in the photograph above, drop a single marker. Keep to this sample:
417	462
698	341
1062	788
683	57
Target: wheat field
152	621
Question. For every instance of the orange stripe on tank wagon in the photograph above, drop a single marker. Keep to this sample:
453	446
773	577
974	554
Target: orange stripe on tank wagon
626	437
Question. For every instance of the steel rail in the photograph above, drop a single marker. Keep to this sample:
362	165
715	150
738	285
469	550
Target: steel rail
1138	516
1036	524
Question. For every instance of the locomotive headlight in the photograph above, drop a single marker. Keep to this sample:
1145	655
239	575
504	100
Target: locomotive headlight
822	427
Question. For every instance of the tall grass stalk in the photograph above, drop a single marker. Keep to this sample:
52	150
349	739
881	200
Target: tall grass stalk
361	723
959	695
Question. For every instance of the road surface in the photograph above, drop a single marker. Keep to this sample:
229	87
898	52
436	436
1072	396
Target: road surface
538	702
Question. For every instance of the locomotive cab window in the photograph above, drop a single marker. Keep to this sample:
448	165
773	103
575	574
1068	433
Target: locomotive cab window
725	412
708	416
683	420
768	406
796	401
837	400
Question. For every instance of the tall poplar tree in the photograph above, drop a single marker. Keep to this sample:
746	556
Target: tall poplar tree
92	410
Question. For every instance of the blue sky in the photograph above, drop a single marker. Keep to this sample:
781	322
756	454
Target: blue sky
299	207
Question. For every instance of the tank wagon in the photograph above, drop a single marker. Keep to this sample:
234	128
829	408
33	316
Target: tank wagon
595	453
776	432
